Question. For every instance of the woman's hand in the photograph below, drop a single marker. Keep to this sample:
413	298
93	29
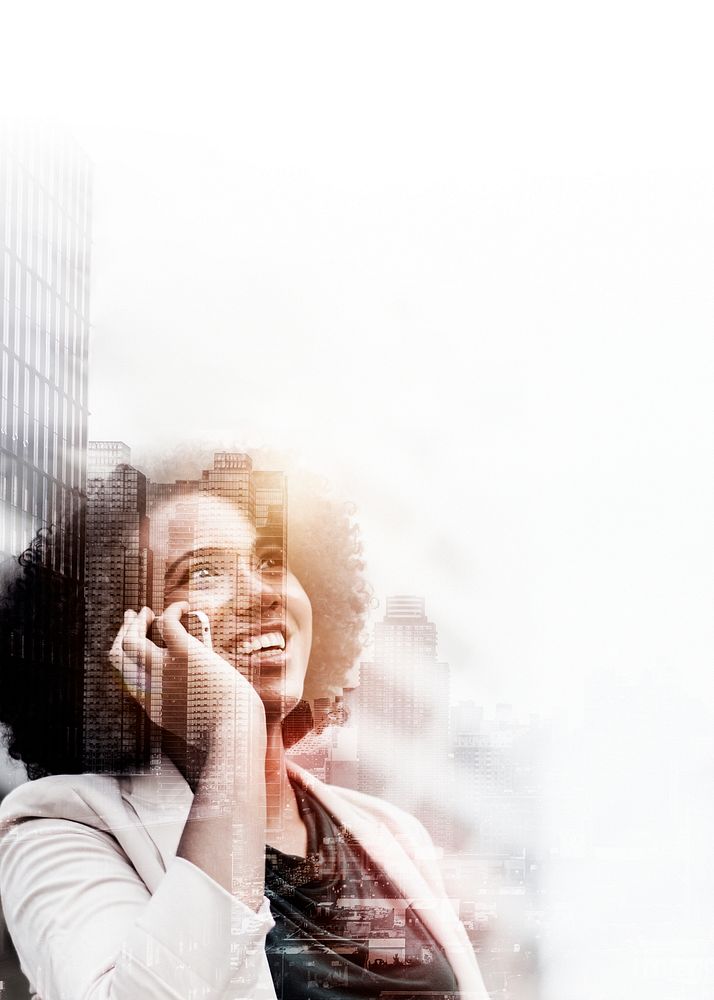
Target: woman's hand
196	695
186	689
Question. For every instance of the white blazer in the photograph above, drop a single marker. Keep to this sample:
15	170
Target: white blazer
100	908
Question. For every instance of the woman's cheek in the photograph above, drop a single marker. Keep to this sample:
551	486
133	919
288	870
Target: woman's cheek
212	598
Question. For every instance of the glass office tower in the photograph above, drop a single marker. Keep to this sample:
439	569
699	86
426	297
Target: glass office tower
45	250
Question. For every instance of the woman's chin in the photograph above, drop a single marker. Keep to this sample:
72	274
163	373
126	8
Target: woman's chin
276	677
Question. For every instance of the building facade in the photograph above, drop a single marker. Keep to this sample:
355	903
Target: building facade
45	253
402	705
118	576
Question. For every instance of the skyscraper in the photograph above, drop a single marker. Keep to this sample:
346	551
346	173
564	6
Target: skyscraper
496	778
403	715
45	249
118	576
160	494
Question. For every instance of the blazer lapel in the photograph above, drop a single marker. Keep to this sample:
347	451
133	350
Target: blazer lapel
435	911
159	804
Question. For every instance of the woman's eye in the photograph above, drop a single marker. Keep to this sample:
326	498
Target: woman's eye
270	561
200	574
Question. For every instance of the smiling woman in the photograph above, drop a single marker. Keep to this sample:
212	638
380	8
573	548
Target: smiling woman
194	874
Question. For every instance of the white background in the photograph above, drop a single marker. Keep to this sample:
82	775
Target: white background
460	257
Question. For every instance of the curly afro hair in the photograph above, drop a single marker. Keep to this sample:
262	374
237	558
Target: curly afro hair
42	617
41	653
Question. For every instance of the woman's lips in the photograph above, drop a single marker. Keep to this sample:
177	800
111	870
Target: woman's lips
266	647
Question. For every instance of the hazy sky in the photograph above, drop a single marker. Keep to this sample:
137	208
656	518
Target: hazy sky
460	257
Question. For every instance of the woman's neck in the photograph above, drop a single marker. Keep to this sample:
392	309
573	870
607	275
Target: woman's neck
285	829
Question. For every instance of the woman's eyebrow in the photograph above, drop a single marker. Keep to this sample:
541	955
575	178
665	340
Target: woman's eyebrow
200	553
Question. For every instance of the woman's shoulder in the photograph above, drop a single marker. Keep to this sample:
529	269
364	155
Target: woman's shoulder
84	798
100	800
142	815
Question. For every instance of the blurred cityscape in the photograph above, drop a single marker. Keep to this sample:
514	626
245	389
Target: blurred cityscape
471	777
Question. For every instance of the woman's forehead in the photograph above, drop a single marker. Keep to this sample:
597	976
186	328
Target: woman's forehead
203	521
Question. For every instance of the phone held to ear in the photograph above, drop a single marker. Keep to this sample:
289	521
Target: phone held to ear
197	624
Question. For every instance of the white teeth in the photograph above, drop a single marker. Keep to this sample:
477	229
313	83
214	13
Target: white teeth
265	641
272	639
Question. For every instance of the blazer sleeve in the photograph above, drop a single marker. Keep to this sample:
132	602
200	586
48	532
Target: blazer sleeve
86	927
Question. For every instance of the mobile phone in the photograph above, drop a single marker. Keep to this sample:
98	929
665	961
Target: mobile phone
198	625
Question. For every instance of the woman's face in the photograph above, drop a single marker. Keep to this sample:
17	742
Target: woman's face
260	616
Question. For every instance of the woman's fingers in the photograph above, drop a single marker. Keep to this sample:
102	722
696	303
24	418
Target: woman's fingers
135	642
116	653
132	654
175	635
203	664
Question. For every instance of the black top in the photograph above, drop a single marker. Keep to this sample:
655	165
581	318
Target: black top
342	929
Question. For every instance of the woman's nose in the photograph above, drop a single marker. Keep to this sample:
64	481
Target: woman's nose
270	590
254	590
